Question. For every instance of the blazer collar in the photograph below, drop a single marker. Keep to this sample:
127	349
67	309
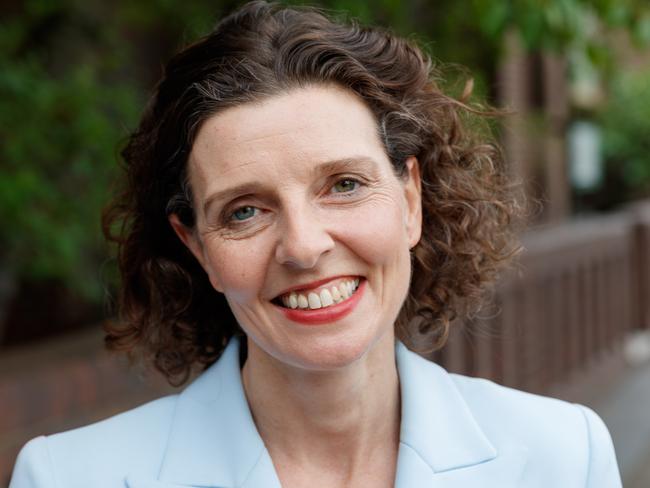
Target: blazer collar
440	440
436	421
213	440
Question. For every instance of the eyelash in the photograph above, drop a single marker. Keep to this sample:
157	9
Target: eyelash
229	215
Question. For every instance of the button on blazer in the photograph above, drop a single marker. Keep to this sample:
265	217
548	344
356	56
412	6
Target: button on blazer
455	431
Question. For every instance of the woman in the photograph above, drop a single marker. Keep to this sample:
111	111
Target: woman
302	204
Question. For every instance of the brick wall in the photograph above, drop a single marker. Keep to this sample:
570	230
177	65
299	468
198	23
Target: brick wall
63	384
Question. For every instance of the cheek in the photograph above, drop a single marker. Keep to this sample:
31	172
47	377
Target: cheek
237	268
377	232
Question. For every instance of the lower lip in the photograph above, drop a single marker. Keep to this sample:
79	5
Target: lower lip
325	315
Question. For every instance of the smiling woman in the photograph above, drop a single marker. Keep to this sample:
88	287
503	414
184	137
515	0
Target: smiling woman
303	207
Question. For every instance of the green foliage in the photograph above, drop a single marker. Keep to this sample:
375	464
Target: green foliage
560	24
575	28
60	123
626	131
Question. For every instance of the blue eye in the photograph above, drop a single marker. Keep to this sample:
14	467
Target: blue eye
345	185
244	213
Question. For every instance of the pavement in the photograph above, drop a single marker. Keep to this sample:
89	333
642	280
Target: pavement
624	405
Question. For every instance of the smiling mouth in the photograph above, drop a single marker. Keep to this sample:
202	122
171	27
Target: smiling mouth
321	297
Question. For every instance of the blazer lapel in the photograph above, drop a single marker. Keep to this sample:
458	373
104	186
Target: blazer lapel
441	444
503	471
213	440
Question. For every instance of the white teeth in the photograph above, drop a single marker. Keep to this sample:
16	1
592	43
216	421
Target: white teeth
345	291
326	298
314	301
336	295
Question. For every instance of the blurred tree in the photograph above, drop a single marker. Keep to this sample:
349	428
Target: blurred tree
470	33
580	30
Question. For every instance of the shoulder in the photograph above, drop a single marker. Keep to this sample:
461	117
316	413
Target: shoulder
94	454
493	404
557	434
137	444
565	444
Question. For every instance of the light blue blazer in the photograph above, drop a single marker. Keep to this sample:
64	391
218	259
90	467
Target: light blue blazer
456	432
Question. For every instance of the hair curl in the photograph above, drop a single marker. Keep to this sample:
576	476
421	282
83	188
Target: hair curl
169	312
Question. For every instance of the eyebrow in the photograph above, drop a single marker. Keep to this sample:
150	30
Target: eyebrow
336	165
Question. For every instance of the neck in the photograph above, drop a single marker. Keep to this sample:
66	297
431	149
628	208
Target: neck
353	411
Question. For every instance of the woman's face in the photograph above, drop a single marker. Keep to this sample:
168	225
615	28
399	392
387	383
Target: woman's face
295	197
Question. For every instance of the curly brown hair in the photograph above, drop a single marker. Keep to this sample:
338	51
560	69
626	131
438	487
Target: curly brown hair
169	312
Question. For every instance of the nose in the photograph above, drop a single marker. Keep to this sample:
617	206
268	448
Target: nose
303	238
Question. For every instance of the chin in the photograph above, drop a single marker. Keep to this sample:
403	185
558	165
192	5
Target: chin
328	354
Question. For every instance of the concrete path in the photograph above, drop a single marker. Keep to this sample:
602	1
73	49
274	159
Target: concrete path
625	408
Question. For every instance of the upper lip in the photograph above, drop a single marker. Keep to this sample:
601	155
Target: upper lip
314	284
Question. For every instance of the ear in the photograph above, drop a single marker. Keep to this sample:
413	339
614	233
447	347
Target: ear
188	237
193	243
413	195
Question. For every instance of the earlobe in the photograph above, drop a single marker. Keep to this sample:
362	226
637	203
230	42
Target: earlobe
413	194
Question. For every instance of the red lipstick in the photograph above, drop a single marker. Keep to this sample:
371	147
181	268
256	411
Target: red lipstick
325	315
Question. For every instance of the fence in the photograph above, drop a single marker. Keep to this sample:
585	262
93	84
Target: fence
581	288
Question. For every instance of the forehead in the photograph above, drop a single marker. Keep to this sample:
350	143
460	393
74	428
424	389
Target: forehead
292	130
